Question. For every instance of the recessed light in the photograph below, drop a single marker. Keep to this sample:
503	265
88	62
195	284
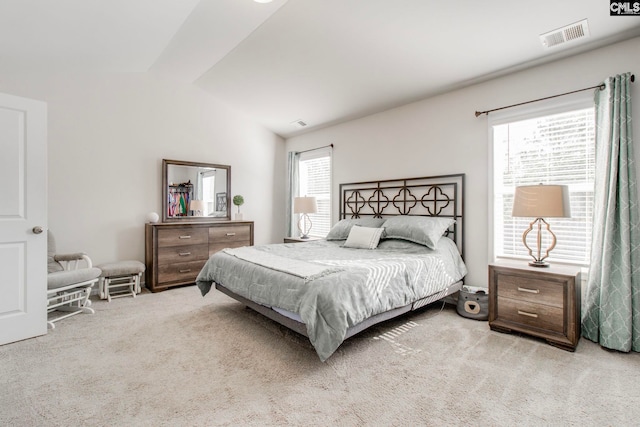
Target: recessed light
263	1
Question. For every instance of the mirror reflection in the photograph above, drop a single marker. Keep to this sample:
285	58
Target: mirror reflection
196	191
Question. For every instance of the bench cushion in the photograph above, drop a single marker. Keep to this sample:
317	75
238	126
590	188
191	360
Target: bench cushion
121	268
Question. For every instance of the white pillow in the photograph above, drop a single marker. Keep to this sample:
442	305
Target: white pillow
363	237
341	230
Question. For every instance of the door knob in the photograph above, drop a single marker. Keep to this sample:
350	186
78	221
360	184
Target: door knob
37	229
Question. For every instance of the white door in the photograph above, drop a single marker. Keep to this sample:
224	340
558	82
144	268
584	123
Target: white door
23	207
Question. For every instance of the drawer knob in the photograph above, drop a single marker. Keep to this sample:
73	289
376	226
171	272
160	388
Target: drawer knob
185	271
185	237
526	313
231	234
531	291
184	253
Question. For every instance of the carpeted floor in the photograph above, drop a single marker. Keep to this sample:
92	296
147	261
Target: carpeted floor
178	359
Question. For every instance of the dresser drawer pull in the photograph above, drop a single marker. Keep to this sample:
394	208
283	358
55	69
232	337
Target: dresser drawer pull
531	291
231	234
184	253
184	271
526	313
184	237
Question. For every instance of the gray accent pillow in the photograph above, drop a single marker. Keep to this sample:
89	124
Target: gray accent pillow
426	230
341	230
363	237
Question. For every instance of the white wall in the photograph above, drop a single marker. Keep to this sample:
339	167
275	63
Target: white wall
441	135
108	135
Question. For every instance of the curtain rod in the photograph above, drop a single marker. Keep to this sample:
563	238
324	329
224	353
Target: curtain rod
318	148
600	86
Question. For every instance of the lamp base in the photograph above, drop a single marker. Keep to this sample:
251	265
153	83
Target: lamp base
539	264
539	260
304	225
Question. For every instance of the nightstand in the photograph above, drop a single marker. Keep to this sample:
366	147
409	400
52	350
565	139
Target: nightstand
300	240
542	302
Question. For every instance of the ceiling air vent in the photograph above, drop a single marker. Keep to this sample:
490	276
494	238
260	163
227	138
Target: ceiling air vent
298	123
569	33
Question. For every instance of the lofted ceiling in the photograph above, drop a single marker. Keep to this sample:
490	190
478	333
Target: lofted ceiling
319	61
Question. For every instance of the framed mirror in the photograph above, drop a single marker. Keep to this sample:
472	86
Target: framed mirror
193	191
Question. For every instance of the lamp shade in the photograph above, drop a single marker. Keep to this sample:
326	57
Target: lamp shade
197	205
305	205
541	201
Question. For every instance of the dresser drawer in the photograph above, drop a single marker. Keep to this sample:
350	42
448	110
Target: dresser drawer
216	247
537	291
172	254
181	271
229	233
183	236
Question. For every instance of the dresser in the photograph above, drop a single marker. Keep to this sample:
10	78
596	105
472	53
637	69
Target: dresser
175	252
541	302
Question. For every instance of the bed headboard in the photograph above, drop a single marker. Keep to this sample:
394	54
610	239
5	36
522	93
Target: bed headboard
428	196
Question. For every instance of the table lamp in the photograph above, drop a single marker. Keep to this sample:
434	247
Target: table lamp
305	206
197	206
539	202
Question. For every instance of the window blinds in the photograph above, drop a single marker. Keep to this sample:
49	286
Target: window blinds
554	149
315	180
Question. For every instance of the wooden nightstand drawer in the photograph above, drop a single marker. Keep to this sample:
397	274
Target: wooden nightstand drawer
534	315
182	237
300	239
537	291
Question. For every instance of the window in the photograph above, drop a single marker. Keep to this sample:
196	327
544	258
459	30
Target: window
550	148
208	192
314	179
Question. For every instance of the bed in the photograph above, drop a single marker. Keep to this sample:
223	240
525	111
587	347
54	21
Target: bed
397	247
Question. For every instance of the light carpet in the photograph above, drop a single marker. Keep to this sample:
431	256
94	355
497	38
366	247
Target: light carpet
178	359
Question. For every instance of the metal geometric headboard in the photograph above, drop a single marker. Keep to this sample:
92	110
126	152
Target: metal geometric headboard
428	196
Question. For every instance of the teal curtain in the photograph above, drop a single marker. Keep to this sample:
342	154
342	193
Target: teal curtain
292	191
612	307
